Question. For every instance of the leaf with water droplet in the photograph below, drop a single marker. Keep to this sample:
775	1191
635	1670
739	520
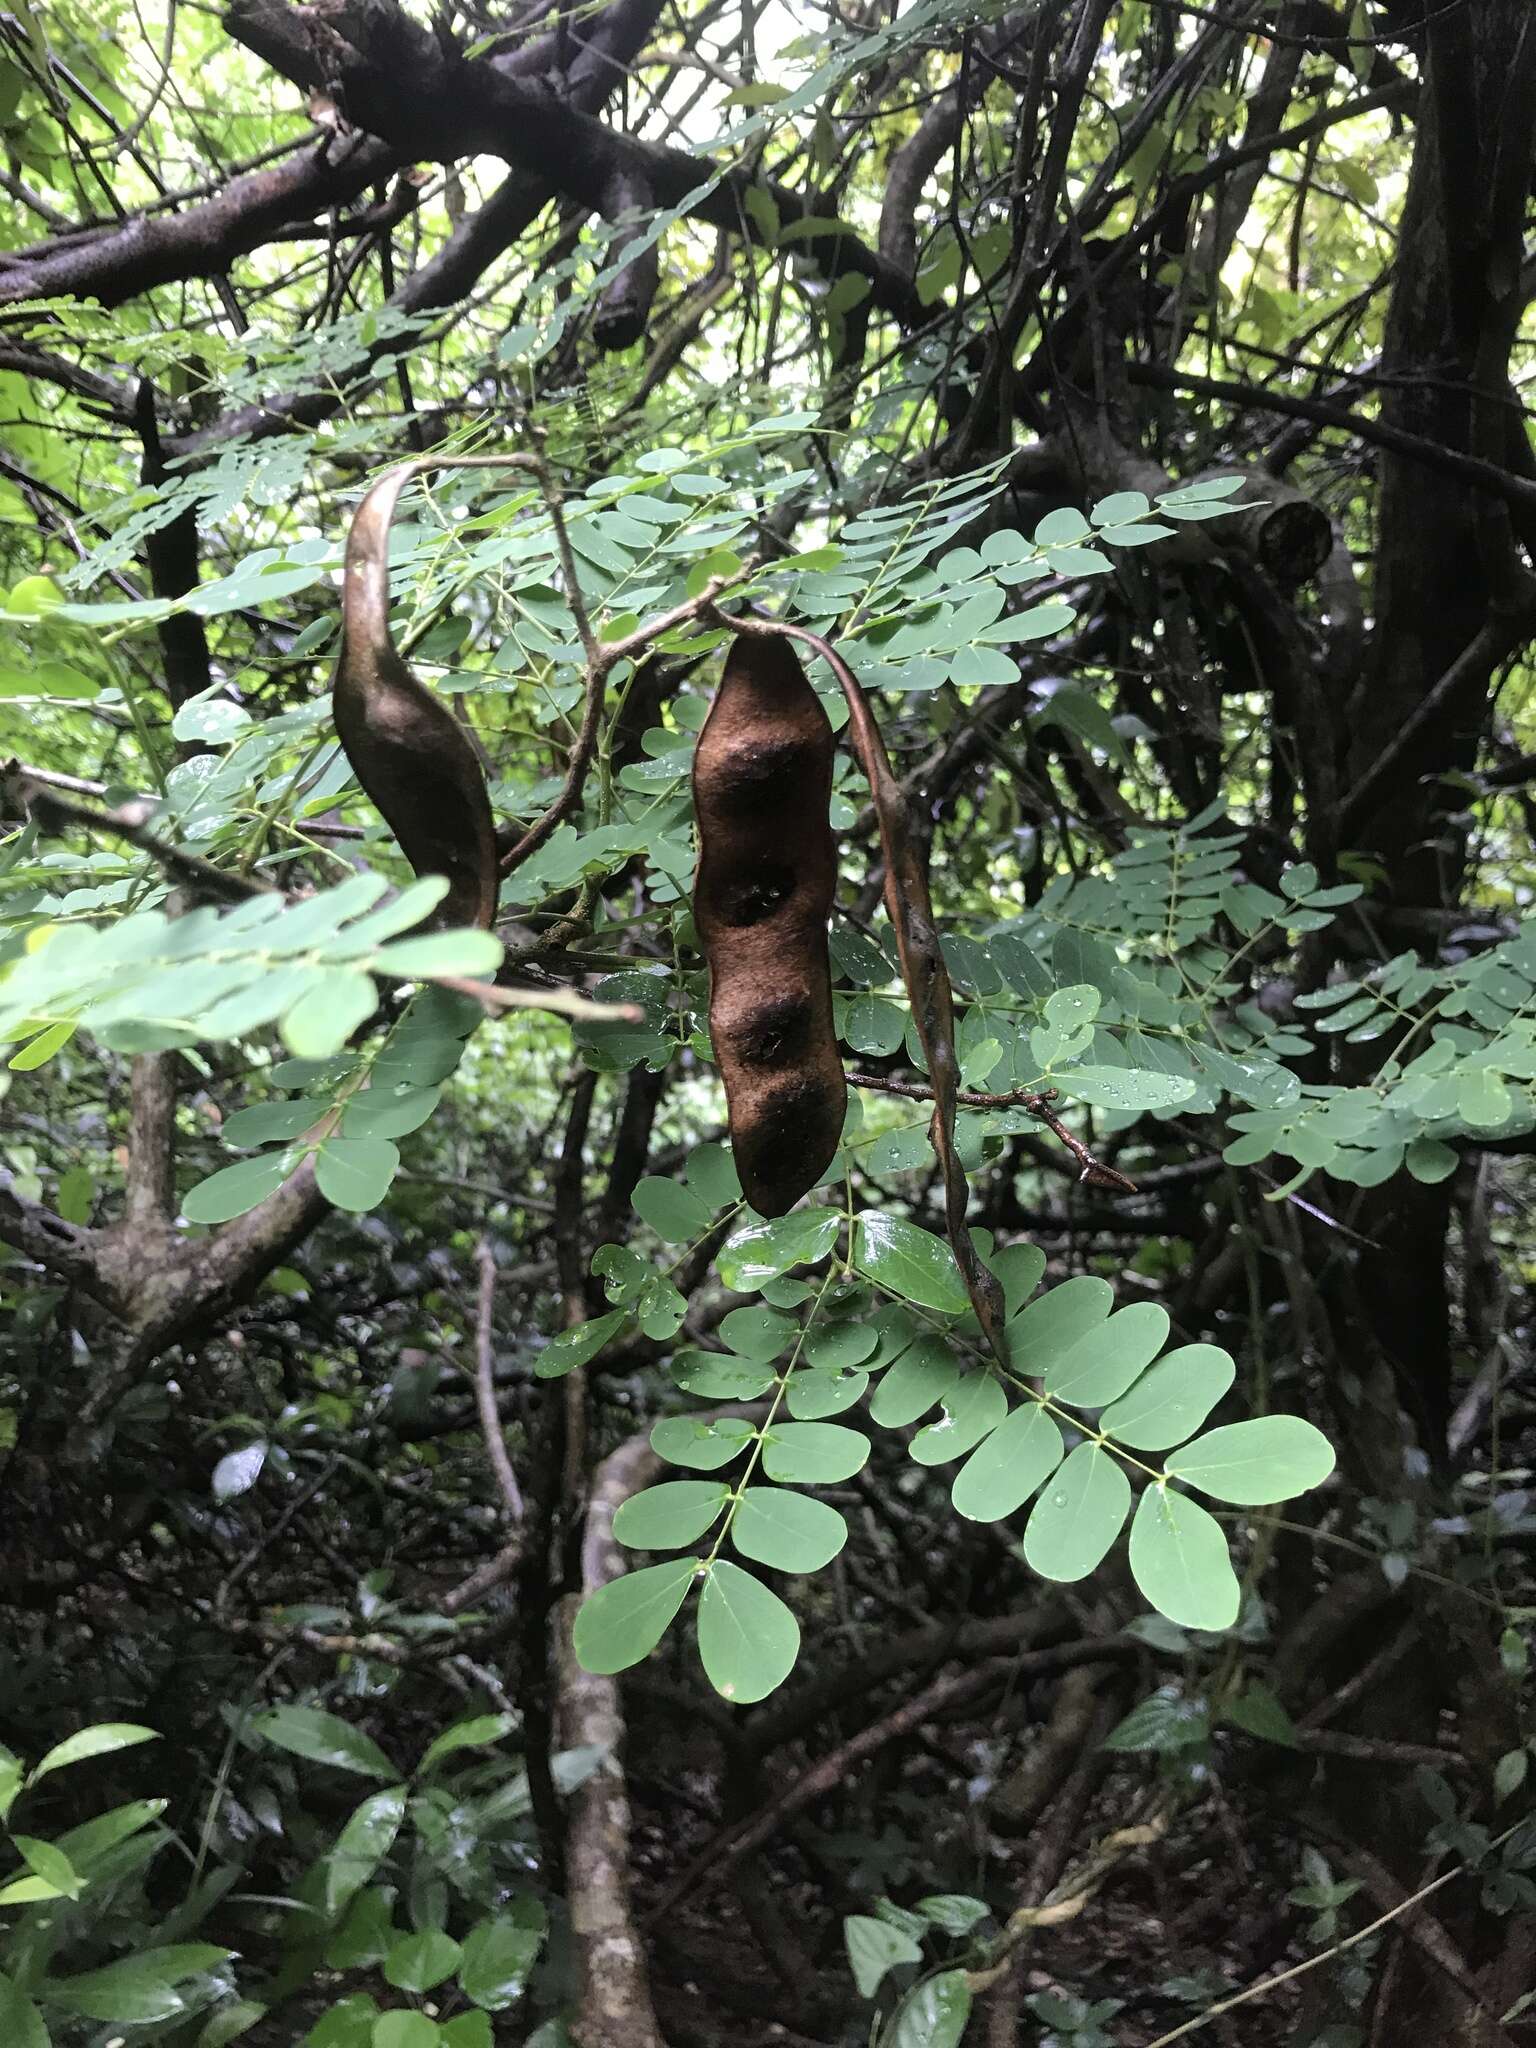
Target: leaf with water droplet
748	1639
1078	1517
1001	1474
971	1410
1179	1559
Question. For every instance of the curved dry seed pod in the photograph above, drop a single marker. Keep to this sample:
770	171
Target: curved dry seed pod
762	780
407	750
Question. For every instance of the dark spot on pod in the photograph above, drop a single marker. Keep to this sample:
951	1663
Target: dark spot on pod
753	776
778	1032
748	899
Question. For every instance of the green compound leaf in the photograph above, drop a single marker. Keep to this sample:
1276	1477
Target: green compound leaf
910	1262
1179	1560
837	1347
464	951
325	1017
625	1620
1123	1088
1108	1359
1170	1402
711	1173
1021	1268
874	1025
674	1212
1429	1160
817	1393
235	1190
718	1376
699	1444
1078	1517
1482	1099
813	1453
381	1113
896	1331
748	1639
759	1252
971	1410
1070	1008
1057	1320
759	1333
266	1122
40	1051
574	1347
355	1173
1000	1476
1252	1464
922	1375
788	1531
666	1517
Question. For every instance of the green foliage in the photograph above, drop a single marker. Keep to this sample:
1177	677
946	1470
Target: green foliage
1209	1011
1071	1360
77	1889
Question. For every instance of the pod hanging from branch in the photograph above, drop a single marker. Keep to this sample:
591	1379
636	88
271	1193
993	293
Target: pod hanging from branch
762	782
910	910
409	752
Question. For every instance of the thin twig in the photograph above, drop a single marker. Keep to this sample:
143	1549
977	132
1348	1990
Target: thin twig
1070	1897
52	811
485	1387
602	659
563	1000
835	1768
485	1578
1036	1101
1338	1948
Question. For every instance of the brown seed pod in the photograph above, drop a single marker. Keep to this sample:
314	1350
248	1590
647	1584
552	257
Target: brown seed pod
910	908
762	779
407	750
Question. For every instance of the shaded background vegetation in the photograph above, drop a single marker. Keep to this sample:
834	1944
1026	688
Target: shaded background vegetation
252	253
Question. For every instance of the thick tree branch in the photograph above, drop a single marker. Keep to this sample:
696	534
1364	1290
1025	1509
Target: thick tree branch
403	84
1499	483
151	1203
146	250
63	1248
614	1994
41	366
